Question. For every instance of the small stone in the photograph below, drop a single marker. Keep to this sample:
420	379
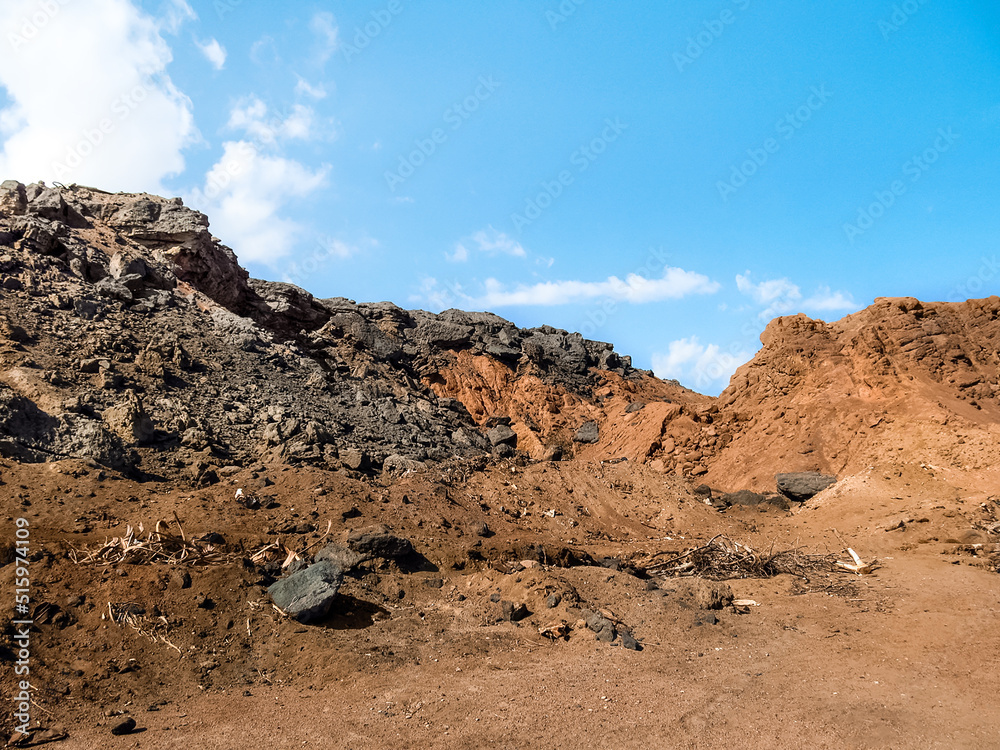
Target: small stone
553	600
607	634
629	642
308	594
379	542
513	612
340	555
588	433
502	435
802	485
504	450
354	459
125	727
180	579
552	453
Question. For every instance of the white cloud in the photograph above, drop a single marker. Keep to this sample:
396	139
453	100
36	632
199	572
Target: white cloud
699	366
433	294
253	117
825	299
176	14
214	52
339	249
324	26
304	88
243	195
248	188
782	297
488	241
90	101
674	284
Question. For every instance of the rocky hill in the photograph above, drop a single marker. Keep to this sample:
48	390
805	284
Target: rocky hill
132	336
900	381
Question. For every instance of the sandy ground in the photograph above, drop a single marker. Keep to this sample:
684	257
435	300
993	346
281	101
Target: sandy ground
903	658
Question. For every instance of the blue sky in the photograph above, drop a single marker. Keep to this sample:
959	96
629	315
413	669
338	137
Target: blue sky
666	179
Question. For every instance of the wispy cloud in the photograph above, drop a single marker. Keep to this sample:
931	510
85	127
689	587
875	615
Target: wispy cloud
826	299
675	283
487	241
434	294
313	91
782	297
176	14
214	52
698	366
324	26
264	51
253	117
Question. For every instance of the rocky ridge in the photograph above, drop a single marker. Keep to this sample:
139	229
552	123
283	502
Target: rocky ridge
133	337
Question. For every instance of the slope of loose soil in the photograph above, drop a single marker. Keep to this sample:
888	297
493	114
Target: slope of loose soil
897	659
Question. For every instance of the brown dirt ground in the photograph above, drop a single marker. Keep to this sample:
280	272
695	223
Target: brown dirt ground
903	658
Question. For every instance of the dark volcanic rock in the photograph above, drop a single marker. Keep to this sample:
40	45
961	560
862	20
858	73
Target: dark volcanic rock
342	556
746	497
308	594
250	370
502	435
379	542
513	612
629	641
124	727
803	485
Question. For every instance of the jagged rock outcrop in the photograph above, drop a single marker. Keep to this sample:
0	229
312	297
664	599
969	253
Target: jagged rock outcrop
123	315
917	382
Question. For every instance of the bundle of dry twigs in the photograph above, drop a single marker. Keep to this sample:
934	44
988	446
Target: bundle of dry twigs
722	558
154	630
162	546
158	546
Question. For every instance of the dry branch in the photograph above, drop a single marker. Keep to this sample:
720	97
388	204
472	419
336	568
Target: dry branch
163	547
722	558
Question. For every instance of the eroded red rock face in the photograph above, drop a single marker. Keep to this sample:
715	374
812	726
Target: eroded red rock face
915	381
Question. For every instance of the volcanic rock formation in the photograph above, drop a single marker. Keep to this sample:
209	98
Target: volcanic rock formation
131	336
